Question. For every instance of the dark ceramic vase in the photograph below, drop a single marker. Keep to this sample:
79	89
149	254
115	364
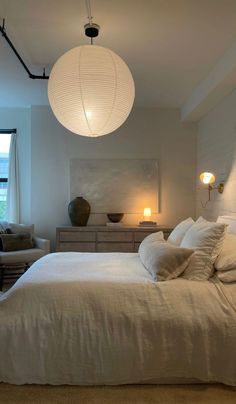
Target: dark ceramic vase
79	211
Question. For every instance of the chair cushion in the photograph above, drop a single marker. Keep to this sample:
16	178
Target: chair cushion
22	256
15	242
3	224
21	228
3	231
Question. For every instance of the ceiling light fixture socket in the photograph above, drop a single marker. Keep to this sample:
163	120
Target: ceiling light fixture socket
91	30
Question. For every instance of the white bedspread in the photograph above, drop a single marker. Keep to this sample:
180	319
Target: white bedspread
77	318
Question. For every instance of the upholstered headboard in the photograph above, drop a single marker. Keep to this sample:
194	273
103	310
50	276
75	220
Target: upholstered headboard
230	220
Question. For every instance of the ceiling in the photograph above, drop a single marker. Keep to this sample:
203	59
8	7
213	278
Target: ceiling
169	45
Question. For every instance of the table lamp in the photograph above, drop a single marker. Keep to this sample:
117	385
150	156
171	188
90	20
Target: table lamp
147	213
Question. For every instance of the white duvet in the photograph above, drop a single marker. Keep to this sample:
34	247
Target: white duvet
88	319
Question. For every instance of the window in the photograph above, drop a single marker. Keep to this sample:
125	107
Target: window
5	139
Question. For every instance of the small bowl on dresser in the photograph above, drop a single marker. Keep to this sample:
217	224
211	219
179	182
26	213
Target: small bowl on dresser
115	217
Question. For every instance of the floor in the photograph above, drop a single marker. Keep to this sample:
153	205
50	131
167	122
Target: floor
165	394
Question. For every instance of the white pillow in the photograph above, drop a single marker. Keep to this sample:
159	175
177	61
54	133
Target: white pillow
206	238
177	235
163	260
227	276
153	237
230	220
227	257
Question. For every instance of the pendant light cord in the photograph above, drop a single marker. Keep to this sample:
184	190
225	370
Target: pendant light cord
90	18
88	8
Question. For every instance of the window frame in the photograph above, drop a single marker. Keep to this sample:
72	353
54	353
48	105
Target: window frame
7	132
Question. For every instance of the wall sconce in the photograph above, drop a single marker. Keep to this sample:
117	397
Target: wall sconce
147	213
208	179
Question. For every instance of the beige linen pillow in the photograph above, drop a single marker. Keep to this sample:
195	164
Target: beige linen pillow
16	242
21	228
227	276
177	235
227	257
163	260
206	238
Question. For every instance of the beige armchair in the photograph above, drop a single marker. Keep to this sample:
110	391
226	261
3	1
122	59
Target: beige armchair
13	263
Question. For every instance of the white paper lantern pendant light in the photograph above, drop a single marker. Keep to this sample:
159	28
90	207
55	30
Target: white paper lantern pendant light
90	89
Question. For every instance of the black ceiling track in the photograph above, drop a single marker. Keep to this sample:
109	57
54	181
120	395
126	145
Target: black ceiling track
31	76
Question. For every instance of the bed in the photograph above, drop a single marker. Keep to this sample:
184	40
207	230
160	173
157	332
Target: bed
100	319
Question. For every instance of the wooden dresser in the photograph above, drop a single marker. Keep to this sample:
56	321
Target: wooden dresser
104	238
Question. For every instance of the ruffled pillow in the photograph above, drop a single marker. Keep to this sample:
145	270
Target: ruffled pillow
206	238
227	257
227	276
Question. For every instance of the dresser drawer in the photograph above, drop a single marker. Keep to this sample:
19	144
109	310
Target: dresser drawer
104	238
140	236
115	236
115	247
77	247
77	236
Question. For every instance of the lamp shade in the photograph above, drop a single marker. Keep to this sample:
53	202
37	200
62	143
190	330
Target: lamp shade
147	212
207	178
91	90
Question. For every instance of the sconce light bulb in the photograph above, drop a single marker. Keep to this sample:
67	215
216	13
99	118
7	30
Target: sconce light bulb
207	178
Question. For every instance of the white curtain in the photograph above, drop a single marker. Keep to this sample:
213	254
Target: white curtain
13	198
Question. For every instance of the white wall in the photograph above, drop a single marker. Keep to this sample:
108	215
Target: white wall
148	133
20	119
216	151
